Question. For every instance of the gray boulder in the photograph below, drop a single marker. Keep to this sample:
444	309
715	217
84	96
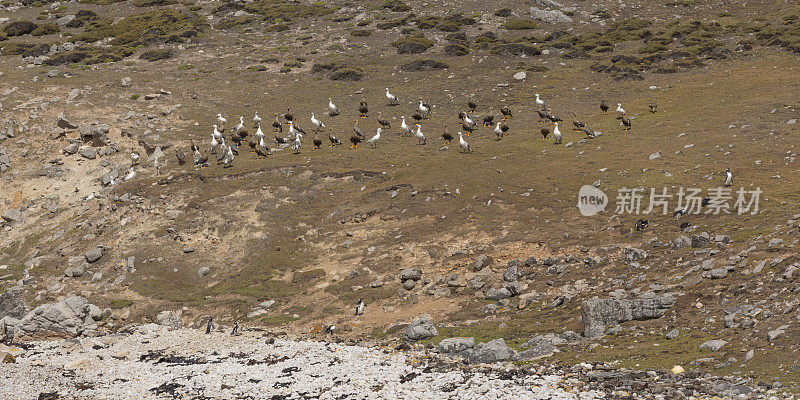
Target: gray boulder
12	304
169	319
631	254
89	153
598	313
713	345
702	239
456	345
64	123
63	21
552	17
93	254
419	329
414	274
513	272
71	148
72	315
482	262
681	243
489	352
11	215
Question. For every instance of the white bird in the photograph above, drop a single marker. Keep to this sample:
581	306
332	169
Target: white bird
405	127
131	174
620	110
319	124
134	158
728	177
221	120
419	135
197	156
330	329
469	120
228	157
332	109
498	131
375	138
262	143
392	98
463	143
423	110
540	102
557	134
259	132
240	126
256	120
217	134
360	307
293	131
214	143
297	143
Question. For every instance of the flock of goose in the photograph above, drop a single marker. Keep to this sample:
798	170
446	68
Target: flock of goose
226	147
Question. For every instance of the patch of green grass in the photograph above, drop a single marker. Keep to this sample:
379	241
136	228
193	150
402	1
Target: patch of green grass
186	67
520	24
134	96
156	26
151	3
396	5
45	29
279	11
120	303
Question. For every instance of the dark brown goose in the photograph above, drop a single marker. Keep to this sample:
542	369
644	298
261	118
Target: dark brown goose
542	116
653	107
260	152
334	141
544	132
317	142
277	125
288	115
181	157
472	106
625	122
506	113
447	136
362	107
384	123
487	120
603	106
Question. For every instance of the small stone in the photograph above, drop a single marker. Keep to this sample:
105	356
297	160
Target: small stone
203	272
125	82
520	75
673	334
93	255
11	215
713	345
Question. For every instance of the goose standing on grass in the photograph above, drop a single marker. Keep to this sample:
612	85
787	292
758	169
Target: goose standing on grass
297	144
228	159
200	159
488	120
253	142
131	174
463	143
288	116
467	127
500	130
221	120
214	144
544	132
217	133
363	109
181	157
333	139
256	120
620	110
471	104
424	108
626	122
469	120
603	106
578	124
317	142
134	158
357	130
374	140
552	117
653	107
259	132
557	134
393	100
261	152
405	128
384	123
447	136
332	109
295	131
506	113
317	123
419	135
542	115
728	177
276	125
540	102
240	125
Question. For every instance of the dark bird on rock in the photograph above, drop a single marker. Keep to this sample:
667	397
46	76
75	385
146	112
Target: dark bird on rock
210	325
653	107
384	123
447	136
603	106
506	113
181	157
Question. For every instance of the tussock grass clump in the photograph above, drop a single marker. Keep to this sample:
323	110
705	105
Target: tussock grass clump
90	55
517	24
412	44
392	23
151	3
16	48
154	26
517	49
37	50
449	23
279	11
19	28
456	49
347	74
503	12
156	54
99	2
45	29
423	65
396	5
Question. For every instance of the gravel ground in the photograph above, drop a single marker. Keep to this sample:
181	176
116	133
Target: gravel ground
154	363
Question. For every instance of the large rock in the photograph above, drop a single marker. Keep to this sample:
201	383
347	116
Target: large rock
713	345
64	123
552	17
598	313
169	319
489	352
414	274
420	328
72	315
11	215
12	304
631	254
456	345
93	254
482	261
681	243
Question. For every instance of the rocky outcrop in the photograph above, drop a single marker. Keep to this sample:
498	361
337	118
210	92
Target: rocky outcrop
73	316
12	304
456	345
419	329
489	352
599	313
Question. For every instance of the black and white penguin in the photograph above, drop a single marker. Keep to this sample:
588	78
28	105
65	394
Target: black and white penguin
360	307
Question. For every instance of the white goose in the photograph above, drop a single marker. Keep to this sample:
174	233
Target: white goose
217	134
557	134
620	110
469	121
419	135
319	124
498	131
131	174
332	109
256	120
728	177
423	110
259	132
540	102
294	132
240	126
228	157
297	143
392	98
405	127
214	143
463	143
221	120
373	140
